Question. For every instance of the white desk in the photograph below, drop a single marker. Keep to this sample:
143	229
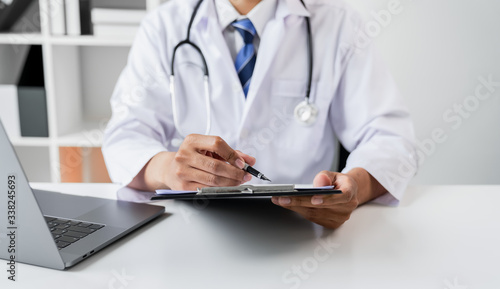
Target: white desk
439	237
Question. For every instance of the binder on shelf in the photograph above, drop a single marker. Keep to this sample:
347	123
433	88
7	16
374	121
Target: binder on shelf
14	60
85	23
9	112
11	12
72	8
32	99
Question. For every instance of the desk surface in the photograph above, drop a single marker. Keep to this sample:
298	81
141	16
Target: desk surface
439	237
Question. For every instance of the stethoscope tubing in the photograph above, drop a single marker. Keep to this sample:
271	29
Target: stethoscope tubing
310	55
187	41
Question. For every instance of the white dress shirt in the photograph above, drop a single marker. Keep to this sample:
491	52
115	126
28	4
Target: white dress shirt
259	16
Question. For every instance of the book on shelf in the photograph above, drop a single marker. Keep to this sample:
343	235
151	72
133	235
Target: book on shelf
72	9
57	17
85	23
70	17
78	17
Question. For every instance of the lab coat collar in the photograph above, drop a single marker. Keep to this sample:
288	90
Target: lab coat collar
226	13
260	14
291	7
212	42
205	12
284	8
275	29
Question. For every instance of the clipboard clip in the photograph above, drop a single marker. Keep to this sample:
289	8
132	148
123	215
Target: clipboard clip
245	189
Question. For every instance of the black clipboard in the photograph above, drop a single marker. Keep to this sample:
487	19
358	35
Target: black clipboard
245	191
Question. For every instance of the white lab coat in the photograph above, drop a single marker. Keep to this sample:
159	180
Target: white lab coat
357	99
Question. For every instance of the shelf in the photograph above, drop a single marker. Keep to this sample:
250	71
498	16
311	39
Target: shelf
79	139
84	40
90	40
14	38
91	135
78	88
30	141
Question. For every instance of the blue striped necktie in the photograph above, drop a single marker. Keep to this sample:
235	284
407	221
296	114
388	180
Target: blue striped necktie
245	60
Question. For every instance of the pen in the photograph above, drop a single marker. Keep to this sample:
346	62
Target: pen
255	173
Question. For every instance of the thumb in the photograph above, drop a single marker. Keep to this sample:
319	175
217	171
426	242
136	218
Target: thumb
323	179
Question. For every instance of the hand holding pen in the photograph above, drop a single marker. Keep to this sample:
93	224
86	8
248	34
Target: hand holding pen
246	167
202	161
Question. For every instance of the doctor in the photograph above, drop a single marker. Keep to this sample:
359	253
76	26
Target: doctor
237	90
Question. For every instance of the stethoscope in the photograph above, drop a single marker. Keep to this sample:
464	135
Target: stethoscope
305	112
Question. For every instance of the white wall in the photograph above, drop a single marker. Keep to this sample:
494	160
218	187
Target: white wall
436	51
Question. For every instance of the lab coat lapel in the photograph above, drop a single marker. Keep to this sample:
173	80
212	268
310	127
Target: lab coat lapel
269	44
215	44
218	57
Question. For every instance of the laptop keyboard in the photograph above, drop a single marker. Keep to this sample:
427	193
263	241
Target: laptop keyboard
66	232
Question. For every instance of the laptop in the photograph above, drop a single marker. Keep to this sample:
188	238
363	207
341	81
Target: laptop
55	230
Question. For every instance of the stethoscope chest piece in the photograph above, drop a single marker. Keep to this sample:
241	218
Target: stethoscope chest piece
306	113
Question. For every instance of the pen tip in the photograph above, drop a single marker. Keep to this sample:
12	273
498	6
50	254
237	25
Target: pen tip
266	179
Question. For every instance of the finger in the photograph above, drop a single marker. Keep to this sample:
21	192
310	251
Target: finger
194	186
347	185
211	154
298	201
218	168
189	186
216	145
340	181
248	159
343	182
317	201
208	179
324	178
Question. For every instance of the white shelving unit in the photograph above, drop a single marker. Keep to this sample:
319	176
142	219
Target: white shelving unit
80	74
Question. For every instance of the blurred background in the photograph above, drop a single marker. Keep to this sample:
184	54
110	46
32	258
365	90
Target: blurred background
443	54
438	52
